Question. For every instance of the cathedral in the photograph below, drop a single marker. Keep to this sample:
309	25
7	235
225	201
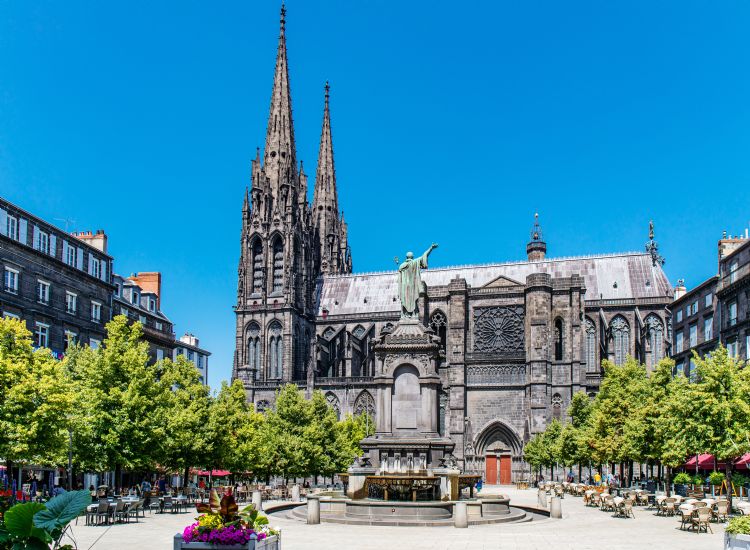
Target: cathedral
515	340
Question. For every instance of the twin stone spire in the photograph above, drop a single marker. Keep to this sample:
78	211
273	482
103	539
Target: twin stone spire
279	187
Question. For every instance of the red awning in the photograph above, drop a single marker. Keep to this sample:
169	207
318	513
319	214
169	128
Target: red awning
214	473
742	462
705	462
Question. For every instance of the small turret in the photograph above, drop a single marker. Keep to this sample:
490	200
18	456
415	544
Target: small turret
536	249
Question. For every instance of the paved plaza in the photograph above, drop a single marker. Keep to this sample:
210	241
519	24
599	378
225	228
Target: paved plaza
581	528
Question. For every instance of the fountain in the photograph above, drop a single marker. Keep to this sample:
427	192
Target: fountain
408	474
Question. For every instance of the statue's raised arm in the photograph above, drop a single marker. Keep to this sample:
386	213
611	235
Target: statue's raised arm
410	282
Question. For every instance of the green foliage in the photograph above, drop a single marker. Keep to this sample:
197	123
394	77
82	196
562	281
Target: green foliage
117	423
35	399
740	480
184	413
19	529
739	525
716	478
683	479
61	510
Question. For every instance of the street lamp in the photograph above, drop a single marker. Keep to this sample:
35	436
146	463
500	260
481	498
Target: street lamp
69	418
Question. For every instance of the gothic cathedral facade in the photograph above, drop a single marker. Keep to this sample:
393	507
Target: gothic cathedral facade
517	339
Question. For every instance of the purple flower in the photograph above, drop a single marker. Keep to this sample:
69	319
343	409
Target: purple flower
228	535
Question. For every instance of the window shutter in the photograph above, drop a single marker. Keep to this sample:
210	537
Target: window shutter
3	222
91	263
103	270
53	245
65	251
79	258
23	228
35	243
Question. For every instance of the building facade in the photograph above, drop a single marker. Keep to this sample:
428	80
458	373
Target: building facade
517	339
188	345
58	284
717	310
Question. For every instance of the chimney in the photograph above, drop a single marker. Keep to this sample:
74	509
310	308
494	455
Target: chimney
149	281
680	290
97	240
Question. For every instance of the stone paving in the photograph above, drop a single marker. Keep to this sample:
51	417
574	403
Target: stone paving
581	529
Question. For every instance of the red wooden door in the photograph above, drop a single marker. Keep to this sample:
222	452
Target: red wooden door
505	470
490	476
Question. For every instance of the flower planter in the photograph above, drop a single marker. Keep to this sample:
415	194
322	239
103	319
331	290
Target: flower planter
736	542
268	543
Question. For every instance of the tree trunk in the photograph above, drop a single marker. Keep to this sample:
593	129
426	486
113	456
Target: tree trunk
668	481
185	478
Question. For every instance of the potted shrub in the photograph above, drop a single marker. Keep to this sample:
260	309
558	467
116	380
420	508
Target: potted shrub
715	479
737	534
681	481
222	526
35	525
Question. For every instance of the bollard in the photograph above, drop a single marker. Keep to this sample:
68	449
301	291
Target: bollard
313	510
555	508
257	501
542	498
295	493
460	515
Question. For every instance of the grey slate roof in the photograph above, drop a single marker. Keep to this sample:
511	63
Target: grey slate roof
346	294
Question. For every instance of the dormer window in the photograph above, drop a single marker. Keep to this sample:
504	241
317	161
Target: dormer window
151	304
135	298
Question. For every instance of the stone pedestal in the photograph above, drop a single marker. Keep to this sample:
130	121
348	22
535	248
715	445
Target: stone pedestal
257	501
448	483
313	510
295	493
555	508
406	439
460	515
357	475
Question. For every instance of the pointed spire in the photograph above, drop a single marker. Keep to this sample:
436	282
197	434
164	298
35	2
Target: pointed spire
246	202
280	153
325	177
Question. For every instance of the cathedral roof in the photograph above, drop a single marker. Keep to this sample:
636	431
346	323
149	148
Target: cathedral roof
614	276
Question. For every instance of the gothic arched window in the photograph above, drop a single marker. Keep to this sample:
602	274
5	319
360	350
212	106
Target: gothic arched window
621	338
333	402
656	338
253	349
278	265
558	339
276	350
262	406
438	324
557	406
257	266
591	365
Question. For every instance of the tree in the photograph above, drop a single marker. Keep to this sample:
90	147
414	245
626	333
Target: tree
720	411
117	423
35	399
184	416
620	395
228	412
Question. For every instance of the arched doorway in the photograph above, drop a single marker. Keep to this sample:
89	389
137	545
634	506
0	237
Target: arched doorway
500	448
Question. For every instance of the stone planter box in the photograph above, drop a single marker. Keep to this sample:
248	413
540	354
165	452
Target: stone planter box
268	543
736	542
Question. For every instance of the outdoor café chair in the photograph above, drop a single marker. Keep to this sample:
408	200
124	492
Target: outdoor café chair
154	505
669	506
626	508
117	511
702	520
102	512
168	503
642	498
721	510
686	517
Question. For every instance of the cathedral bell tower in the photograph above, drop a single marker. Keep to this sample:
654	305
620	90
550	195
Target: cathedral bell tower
276	274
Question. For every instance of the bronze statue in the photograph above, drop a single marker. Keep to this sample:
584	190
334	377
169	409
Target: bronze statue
410	282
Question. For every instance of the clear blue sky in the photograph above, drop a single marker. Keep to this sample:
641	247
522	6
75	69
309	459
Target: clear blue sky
452	122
